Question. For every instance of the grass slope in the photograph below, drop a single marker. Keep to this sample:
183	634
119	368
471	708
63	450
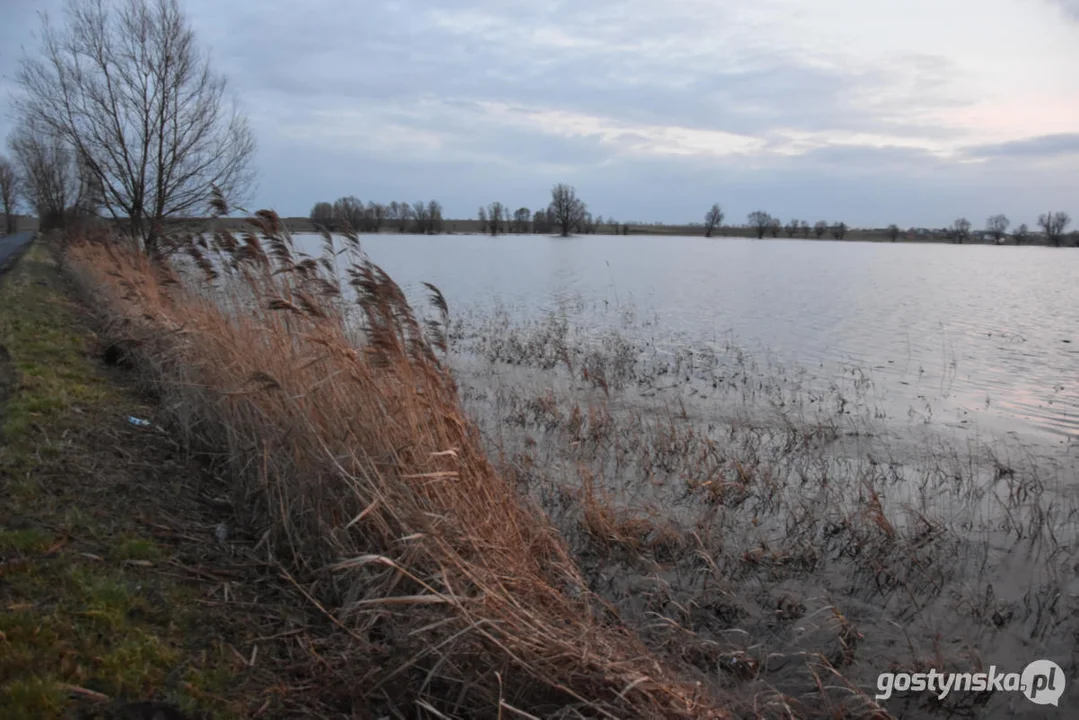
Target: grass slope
93	609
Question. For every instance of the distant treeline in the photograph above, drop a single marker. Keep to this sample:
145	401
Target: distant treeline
567	214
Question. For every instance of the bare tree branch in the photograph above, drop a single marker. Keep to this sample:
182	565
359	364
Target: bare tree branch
124	85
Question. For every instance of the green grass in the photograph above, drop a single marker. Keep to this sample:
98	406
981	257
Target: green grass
80	601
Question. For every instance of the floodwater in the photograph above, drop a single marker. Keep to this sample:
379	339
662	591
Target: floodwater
911	501
976	337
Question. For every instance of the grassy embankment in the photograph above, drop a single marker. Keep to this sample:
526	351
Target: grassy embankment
96	604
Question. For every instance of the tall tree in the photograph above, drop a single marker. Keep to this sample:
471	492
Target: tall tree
521	219
805	229
421	222
496	217
348	214
375	216
539	222
1021	234
839	230
9	192
892	232
482	216
125	86
819	228
959	230
322	215
48	172
1054	224
775	226
761	221
997	226
586	225
568	210
712	219
404	215
435	223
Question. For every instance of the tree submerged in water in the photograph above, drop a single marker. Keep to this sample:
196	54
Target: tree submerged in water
568	210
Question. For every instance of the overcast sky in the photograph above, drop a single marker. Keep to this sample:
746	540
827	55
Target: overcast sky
906	111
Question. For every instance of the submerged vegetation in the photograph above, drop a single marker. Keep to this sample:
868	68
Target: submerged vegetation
776	531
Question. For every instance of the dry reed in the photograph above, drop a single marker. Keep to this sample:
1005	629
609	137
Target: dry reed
351	457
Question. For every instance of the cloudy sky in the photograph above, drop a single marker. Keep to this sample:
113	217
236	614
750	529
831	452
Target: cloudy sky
906	111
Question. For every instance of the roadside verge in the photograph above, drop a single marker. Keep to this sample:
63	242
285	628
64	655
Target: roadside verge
110	575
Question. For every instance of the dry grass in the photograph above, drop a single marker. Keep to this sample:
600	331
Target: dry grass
451	594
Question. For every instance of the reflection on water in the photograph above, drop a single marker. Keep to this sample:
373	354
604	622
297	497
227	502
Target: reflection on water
988	336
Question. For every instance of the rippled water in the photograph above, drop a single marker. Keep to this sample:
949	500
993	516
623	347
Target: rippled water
987	336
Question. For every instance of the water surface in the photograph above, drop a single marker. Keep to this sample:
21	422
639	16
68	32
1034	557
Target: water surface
988	337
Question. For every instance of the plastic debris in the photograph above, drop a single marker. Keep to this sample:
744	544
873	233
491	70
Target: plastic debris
138	422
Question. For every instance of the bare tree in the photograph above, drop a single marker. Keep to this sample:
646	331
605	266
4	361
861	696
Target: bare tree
1021	234
819	228
482	215
496	217
322	215
521	219
792	227
539	222
435	223
48	173
892	232
959	231
839	230
997	226
9	192
775	226
404	215
126	87
760	220
567	209
587	224
1053	224
375	216
805	229
712	219
348	214
420	220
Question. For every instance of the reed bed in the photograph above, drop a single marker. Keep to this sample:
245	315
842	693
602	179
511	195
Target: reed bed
449	592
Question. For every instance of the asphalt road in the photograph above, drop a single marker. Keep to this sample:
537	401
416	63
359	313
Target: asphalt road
10	245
